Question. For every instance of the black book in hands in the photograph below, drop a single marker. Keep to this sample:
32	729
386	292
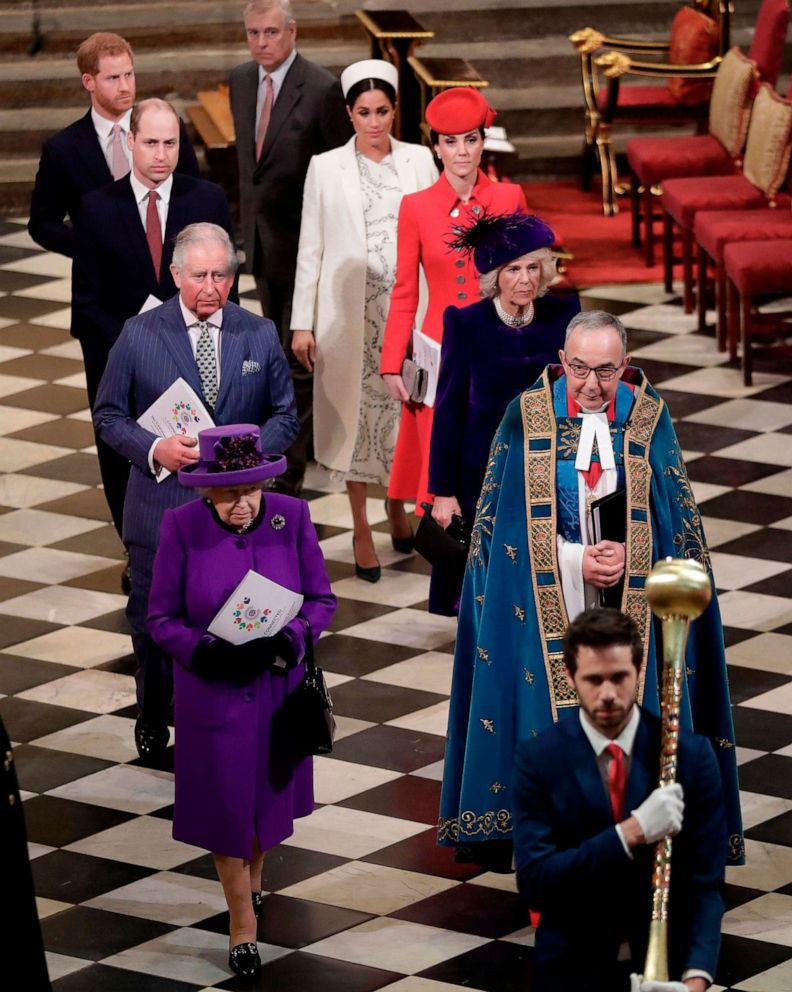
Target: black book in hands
609	523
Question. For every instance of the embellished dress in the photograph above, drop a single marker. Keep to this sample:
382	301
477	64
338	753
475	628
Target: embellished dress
508	682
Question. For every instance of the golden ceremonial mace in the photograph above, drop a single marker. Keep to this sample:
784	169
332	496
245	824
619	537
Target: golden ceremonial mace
678	591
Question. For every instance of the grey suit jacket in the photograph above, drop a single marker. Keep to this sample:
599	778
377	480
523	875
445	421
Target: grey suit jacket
308	117
151	353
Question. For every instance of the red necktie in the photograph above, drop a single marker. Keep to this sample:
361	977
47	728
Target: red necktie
154	232
617	781
266	113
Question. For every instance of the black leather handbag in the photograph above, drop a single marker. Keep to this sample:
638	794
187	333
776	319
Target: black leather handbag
311	708
442	548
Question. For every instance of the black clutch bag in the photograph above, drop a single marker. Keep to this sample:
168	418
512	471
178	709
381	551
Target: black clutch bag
442	548
306	718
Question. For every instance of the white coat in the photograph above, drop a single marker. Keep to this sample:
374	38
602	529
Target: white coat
330	286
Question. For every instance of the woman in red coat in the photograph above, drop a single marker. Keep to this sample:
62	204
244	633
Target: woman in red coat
427	222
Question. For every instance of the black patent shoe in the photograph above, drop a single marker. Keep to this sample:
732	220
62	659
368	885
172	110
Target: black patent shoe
244	961
258	901
151	740
367	574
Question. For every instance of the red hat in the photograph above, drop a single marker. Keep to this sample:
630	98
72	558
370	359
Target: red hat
458	110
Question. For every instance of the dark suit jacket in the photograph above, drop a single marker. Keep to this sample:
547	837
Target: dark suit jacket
72	164
112	272
308	117
152	352
572	867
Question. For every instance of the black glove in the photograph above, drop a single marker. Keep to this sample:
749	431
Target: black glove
265	651
211	658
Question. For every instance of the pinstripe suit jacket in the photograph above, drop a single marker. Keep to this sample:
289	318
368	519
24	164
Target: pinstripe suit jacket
153	351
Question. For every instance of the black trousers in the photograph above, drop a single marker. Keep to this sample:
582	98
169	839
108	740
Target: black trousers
114	468
154	673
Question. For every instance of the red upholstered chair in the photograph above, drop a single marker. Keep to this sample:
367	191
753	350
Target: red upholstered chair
653	160
755	273
764	170
699	39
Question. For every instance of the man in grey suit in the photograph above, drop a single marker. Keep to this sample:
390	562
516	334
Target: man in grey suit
286	109
235	363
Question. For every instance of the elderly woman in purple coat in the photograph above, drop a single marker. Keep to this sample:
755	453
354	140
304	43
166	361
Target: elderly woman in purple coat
239	783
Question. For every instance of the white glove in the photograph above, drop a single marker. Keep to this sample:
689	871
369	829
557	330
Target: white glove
636	985
661	812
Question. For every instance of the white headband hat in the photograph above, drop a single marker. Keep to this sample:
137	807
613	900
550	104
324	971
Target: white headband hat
369	69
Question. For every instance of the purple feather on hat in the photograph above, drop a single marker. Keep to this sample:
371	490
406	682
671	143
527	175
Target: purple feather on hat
496	239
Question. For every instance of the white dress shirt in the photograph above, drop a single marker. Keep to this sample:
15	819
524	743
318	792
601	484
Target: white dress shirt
278	75
141	194
104	132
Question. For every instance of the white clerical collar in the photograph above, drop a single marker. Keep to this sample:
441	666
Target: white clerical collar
279	74
141	192
599	742
190	320
594	424
104	127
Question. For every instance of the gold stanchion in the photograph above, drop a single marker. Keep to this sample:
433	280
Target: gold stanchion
678	591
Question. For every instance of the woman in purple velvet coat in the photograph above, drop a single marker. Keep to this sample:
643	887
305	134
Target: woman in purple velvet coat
492	351
239	786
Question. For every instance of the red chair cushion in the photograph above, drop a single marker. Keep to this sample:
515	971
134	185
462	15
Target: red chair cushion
656	159
640	98
694	39
759	268
684	198
767	47
716	228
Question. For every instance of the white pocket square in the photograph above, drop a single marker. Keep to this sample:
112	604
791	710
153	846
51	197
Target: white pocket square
249	367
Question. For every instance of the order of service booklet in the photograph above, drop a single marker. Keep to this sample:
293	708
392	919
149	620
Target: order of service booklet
178	410
258	607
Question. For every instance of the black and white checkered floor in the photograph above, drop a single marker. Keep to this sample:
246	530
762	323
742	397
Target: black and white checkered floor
360	898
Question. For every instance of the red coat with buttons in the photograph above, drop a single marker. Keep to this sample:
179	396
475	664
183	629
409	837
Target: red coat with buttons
426	222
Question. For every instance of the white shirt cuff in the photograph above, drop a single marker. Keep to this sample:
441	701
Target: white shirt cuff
698	973
627	850
155	469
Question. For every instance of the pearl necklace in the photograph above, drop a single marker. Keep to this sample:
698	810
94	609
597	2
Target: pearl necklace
509	319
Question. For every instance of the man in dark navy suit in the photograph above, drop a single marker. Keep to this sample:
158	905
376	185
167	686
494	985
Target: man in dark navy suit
243	378
587	817
91	152
123	245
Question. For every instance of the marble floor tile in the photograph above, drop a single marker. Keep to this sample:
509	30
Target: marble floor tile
39	527
349	833
67	349
60	965
429	672
750	415
396	945
57	290
63	604
702	491
247	284
431	720
643	293
21	491
691	349
83	415
125	787
720	531
369	888
145	841
346	726
251	305
81	647
170	898
8	353
334	510
749	610
44	264
49	907
16	455
663	317
736	571
722	381
415	984
36	564
433	771
75	381
38	850
10	384
393	589
785	524
776	700
767	867
770	449
496	880
91	690
767	918
413	628
777	979
779	484
336	780
58	318
14	418
186	955
758	808
746	754
339	548
107	737
18	239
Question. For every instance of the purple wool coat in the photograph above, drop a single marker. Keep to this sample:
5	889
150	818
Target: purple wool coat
234	778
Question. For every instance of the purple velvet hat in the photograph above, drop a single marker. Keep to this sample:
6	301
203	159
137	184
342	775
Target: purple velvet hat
231	456
496	239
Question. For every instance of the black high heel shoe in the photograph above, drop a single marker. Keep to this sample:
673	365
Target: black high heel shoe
372	574
244	961
404	545
258	901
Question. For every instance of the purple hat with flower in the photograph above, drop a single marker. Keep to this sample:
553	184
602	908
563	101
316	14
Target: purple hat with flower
231	456
497	239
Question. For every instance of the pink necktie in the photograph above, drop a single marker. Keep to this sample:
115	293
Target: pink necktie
154	232
266	113
617	781
118	160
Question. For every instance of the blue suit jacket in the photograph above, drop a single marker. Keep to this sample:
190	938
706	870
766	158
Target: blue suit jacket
112	273
72	164
572	867
151	353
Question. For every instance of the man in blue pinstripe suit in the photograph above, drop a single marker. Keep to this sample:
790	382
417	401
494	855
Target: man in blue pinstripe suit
244	378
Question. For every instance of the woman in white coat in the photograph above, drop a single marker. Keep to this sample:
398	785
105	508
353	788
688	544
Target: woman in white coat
346	267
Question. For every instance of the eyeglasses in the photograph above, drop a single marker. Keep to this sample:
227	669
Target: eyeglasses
604	373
